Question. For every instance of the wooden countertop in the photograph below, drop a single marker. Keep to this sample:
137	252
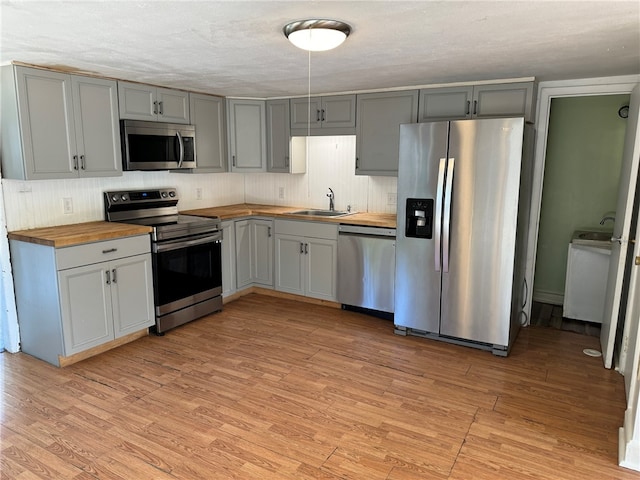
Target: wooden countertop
228	212
75	234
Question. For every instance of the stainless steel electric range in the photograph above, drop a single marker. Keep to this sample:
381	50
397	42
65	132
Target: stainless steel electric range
186	253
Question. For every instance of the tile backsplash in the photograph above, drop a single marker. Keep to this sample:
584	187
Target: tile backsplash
331	160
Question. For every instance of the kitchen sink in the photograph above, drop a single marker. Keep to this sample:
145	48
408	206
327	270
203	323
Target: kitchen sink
592	238
321	213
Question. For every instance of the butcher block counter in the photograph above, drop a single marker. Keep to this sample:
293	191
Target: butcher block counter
229	212
78	233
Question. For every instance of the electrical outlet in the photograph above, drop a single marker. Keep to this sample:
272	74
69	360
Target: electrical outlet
392	198
281	193
198	194
67	205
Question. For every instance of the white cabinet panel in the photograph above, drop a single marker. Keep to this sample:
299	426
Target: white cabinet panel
208	115
331	115
85	300
228	258
146	102
132	294
247	135
289	269
254	252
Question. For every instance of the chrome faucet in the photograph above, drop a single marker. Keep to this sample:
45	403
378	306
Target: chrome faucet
607	217
331	197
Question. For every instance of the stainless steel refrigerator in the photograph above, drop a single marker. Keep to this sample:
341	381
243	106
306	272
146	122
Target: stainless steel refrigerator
463	201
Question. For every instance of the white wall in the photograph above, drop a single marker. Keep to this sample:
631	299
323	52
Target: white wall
331	163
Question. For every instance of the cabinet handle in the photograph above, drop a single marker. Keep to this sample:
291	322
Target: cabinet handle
301	248
286	162
317	115
160	109
155	108
82	164
233	160
475	107
269	231
75	162
468	108
111	250
108	272
113	276
306	249
323	114
357	163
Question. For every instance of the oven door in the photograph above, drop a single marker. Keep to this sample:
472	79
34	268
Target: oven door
186	272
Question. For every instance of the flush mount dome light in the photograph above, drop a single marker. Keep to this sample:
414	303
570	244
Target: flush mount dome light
316	35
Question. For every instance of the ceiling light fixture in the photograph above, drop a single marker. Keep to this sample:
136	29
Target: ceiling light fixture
317	35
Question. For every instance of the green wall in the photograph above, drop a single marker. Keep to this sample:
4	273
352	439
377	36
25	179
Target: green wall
582	169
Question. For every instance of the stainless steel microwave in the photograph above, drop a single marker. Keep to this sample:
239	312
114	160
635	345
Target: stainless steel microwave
157	146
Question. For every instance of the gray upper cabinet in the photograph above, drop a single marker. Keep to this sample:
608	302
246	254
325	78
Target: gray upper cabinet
146	102
209	117
332	115
378	133
56	125
479	101
247	135
285	154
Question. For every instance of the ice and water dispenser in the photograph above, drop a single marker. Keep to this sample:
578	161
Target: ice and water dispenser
419	218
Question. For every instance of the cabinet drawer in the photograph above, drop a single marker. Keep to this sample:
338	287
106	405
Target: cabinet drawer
88	253
307	229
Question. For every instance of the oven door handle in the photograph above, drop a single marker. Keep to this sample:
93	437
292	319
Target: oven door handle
165	247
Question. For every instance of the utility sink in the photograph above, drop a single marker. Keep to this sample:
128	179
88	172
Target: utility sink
592	238
321	213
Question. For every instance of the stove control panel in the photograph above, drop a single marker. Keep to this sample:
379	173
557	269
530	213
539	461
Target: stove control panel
141	197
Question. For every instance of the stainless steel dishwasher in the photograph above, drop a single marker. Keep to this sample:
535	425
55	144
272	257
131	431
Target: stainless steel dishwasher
366	267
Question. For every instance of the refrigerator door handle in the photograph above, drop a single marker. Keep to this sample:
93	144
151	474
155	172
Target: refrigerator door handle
437	222
446	219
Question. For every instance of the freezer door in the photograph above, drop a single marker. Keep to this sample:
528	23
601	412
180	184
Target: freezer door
417	283
476	289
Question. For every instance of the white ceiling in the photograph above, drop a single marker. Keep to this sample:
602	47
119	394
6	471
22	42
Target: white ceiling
236	48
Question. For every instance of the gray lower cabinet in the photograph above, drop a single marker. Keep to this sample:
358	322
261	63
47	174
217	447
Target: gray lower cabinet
208	115
477	101
306	258
378	132
146	102
56	125
75	298
247	135
285	154
228	257
331	115
254	252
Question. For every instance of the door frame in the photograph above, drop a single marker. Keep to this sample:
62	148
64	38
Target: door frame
547	91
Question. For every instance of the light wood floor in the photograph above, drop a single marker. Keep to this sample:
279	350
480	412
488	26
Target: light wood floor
276	389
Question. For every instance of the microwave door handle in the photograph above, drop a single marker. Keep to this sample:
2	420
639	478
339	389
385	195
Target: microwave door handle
181	143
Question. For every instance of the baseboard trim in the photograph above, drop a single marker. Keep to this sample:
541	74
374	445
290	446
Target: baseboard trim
548	297
92	352
628	451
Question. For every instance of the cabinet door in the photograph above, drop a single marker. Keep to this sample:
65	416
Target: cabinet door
449	103
322	261
95	107
228	258
338	111
132	294
137	101
378	132
300	116
262	246
85	301
503	100
173	105
288	265
243	253
278	135
209	117
247	135
46	123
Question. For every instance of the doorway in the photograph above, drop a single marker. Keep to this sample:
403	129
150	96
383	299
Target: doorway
581	175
